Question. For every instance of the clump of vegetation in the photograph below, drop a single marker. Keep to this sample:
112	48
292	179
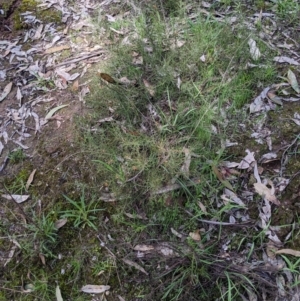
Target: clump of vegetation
181	86
17	156
45	16
82	212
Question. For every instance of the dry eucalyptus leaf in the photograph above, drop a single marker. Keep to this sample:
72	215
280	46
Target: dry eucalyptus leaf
38	32
266	192
202	207
230	164
195	235
289	252
58	294
143	248
254	51
176	233
176	44
57	49
60	223
285	59
30	179
16	197
1	148
268	157
274	98
138	60
245	163
293	81
258	104
54	110
95	289
137	266
19	94
6	91
233	197
42	258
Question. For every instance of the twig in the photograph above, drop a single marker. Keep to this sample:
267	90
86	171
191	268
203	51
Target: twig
75	60
133	178
5	162
246	224
102	244
284	153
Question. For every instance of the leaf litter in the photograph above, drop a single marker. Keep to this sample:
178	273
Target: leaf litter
264	102
37	69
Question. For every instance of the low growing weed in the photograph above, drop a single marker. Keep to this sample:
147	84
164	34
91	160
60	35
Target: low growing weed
16	156
82	213
44	233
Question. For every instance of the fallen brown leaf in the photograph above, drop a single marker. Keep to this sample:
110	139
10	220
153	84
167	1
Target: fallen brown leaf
288	252
149	87
195	235
137	266
57	49
107	78
30	179
266	192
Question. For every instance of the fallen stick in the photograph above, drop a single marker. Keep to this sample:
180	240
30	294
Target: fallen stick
245	224
75	60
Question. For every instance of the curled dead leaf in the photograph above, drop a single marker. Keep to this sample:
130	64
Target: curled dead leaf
254	51
195	235
246	162
267	193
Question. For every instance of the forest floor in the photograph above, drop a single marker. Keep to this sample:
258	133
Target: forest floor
149	150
